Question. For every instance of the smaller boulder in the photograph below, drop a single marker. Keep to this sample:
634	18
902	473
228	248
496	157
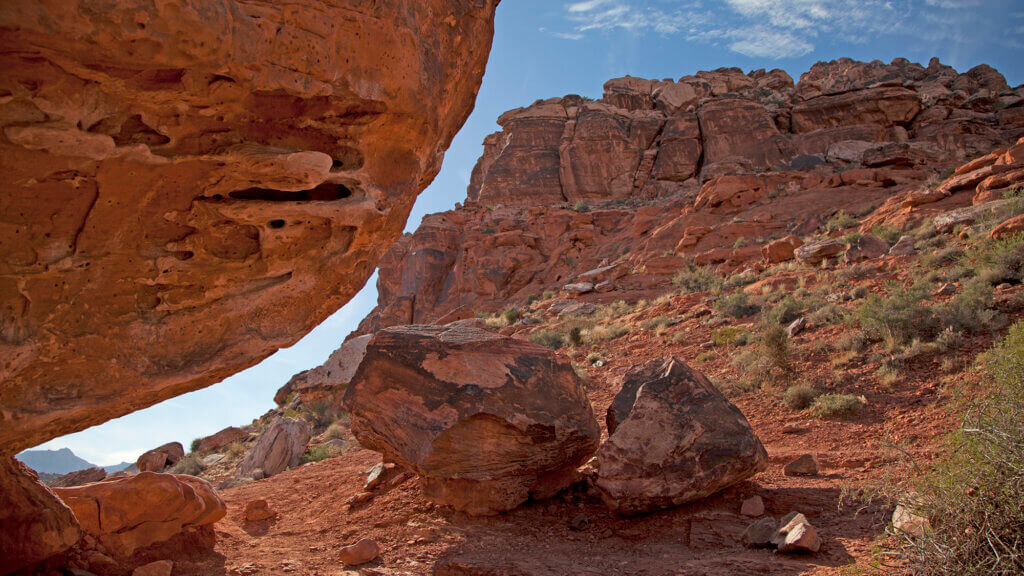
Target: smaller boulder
796	535
759	533
1009	228
781	250
278	448
158	568
361	552
159	458
903	247
579	288
867	247
805	465
79	477
905	520
753	506
815	252
258	510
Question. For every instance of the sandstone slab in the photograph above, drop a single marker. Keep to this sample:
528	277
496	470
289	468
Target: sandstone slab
278	448
486	421
673	438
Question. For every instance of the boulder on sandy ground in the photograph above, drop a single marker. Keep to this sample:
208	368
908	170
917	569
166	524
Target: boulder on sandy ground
815	252
34	524
867	247
359	553
127	514
258	510
79	477
221	439
673	438
903	247
759	533
796	535
1009	228
781	250
485	420
805	465
278	448
161	457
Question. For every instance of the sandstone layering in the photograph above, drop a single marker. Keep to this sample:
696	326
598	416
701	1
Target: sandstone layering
486	421
188	188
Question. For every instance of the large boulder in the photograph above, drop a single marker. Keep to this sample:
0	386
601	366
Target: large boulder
487	421
160	457
34	524
190	186
278	448
672	439
130	513
327	382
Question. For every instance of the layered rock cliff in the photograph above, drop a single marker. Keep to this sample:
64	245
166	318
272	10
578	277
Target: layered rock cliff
189	186
709	168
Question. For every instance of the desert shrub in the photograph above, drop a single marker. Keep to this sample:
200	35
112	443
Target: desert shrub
195	444
574	336
897	318
851	341
547	337
836	405
335	431
190	465
943	258
800	396
511	316
974	496
612	311
826	315
970	310
320	414
726	336
1001	260
887	233
691	279
740	279
706	356
736	305
787	310
604	332
236	449
767	360
531	299
321	452
581	206
495	322
547	295
949	339
839	221
656	324
594	357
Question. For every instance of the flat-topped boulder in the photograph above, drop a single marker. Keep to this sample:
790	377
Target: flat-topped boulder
486	421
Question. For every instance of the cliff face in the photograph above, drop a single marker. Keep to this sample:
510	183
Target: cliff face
187	187
708	168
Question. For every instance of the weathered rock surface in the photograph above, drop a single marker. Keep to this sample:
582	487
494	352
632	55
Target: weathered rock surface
257	511
128	514
209	181
79	477
363	551
815	252
34	523
327	382
161	457
673	438
796	535
221	439
486	421
805	465
278	448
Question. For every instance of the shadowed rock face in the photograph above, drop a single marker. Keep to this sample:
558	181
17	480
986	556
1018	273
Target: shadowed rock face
34	524
188	187
486	421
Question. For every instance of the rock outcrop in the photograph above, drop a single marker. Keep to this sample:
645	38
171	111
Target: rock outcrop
160	457
221	439
278	448
189	187
128	514
34	524
327	382
79	477
486	421
702	168
672	439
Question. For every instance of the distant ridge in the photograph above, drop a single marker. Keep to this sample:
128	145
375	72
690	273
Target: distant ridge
61	462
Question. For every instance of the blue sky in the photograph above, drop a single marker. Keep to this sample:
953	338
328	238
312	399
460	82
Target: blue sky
545	48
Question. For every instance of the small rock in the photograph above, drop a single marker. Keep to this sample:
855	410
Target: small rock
947	289
376	476
759	534
796	535
903	247
904	520
158	568
794	428
257	510
359	553
797	326
579	287
817	251
360	498
805	465
606	286
753	506
211	459
580	522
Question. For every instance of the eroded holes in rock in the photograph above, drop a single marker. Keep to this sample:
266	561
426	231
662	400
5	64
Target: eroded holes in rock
221	78
135	131
346	158
276	223
326	192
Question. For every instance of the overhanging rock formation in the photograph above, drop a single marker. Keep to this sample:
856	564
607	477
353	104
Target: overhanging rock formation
187	187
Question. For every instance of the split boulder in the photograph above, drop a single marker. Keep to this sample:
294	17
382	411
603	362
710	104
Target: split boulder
278	448
485	420
159	458
673	438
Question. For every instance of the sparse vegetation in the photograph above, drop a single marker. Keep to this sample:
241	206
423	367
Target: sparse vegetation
547	337
511	316
736	305
195	444
897	318
691	279
321	452
604	332
189	465
836	405
839	221
581	206
799	397
726	336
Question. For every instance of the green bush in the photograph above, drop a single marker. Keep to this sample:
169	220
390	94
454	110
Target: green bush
787	310
575	336
835	405
612	311
969	310
547	295
188	465
655	324
899	317
974	497
531	299
547	337
736	305
706	356
195	444
604	332
889	234
511	316
1001	260
691	279
767	360
321	452
581	206
726	336
839	221
800	396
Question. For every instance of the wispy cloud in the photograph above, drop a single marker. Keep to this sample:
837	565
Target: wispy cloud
769	43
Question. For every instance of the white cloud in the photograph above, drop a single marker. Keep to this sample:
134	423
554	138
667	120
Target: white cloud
768	43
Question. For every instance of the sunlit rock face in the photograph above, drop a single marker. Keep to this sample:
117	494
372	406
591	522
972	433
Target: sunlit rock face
187	187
